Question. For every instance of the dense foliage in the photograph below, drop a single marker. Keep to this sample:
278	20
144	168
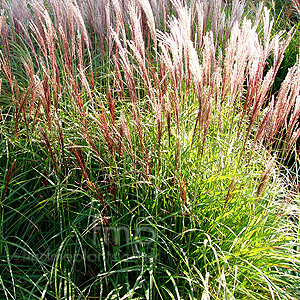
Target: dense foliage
141	151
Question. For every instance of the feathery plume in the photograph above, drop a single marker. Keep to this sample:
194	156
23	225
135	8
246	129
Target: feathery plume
145	4
265	176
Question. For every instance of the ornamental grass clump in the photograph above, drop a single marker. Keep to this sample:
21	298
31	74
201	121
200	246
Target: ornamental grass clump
141	152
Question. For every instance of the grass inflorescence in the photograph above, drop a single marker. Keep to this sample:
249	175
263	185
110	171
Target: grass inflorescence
141	152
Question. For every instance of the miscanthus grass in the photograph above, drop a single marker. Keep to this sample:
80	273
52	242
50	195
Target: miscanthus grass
141	152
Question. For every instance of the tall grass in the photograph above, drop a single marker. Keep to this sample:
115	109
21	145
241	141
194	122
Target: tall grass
141	151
